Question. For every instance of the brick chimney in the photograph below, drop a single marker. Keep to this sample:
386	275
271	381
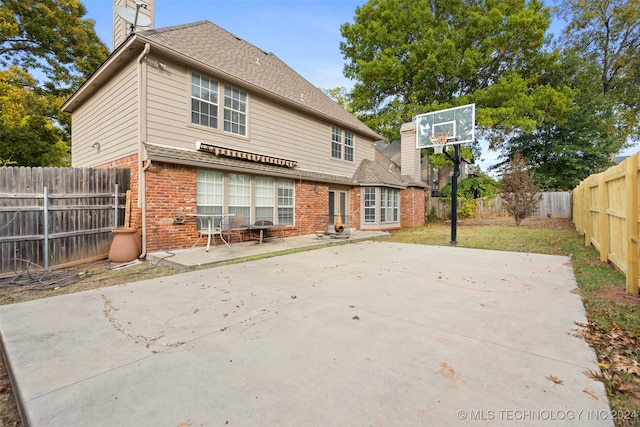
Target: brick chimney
122	28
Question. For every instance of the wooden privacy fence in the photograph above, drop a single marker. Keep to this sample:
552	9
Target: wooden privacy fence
557	203
58	216
605	210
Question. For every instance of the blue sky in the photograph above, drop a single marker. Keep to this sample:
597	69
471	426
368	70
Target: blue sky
305	34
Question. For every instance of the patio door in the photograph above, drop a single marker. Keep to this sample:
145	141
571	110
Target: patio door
338	206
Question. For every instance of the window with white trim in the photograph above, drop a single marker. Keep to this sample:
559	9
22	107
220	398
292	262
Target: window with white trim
369	199
255	197
336	142
342	144
389	205
204	101
235	110
348	146
209	194
265	195
239	196
285	201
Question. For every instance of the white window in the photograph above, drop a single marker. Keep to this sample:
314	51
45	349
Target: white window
285	201
235	111
265	198
369	205
240	196
380	204
273	200
389	205
348	146
204	101
342	144
209	194
336	142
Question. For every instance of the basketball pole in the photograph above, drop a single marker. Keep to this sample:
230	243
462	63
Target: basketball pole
454	193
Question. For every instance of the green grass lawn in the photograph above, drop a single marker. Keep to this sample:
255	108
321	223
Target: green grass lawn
613	327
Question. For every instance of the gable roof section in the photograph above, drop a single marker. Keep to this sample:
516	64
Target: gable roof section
208	46
374	174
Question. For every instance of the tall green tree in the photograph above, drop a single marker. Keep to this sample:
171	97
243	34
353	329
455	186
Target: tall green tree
576	140
47	49
606	33
410	56
28	134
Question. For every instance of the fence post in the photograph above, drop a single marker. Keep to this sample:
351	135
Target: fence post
631	189
603	218
45	231
115	206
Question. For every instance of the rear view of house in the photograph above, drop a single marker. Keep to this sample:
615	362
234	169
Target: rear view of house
209	123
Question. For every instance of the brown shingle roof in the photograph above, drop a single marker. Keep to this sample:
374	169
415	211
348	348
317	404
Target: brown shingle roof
218	49
373	173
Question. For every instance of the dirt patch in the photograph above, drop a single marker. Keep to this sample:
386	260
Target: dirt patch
9	415
620	296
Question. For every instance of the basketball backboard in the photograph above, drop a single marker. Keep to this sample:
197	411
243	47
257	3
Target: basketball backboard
446	127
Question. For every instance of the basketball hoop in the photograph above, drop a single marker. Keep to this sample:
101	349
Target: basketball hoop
439	139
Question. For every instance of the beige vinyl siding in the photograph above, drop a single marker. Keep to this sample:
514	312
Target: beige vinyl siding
167	111
273	129
110	118
302	138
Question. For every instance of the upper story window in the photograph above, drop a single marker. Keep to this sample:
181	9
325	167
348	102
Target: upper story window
205	105
235	110
204	101
342	144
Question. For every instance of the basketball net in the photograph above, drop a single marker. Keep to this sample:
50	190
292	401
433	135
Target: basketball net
439	139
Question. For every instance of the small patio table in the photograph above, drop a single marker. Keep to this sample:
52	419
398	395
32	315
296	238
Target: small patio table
261	226
212	228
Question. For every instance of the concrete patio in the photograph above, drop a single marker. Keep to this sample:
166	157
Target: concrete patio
360	334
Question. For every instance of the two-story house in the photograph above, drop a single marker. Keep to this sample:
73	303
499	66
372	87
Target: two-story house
209	123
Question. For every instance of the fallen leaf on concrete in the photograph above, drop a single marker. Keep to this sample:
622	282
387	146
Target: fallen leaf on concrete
593	374
554	379
185	424
448	371
591	393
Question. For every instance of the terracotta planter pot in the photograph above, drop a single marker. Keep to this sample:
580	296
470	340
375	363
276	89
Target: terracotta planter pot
126	244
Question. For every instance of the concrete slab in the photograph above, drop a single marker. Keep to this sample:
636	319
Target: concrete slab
369	333
198	256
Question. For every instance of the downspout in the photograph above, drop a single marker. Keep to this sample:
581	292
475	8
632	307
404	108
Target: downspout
142	107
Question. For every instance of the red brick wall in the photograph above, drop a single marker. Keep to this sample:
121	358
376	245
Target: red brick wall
412	207
311	208
171	192
356	199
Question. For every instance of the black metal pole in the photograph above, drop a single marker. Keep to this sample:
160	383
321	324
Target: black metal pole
454	193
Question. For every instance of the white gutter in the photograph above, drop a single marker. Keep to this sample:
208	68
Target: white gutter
142	134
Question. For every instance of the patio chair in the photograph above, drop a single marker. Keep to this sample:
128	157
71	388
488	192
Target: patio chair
236	228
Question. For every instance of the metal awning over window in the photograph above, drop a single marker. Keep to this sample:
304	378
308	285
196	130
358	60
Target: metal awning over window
244	155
